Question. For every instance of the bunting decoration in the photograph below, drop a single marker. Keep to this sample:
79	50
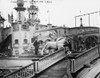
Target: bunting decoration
9	18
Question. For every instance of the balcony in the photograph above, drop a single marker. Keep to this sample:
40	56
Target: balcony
16	45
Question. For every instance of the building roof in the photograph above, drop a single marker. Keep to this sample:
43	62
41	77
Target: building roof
52	29
93	27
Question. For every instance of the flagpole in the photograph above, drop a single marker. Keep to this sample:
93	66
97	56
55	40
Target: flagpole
48	16
12	32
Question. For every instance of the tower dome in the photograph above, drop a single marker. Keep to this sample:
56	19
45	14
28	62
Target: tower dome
20	2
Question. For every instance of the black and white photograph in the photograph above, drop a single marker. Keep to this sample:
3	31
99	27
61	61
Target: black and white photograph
49	39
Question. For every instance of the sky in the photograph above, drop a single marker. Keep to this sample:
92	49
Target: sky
61	12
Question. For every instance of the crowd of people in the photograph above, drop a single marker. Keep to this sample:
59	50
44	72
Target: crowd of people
84	43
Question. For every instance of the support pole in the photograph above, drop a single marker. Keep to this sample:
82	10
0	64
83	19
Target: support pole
75	21
68	70
99	13
89	19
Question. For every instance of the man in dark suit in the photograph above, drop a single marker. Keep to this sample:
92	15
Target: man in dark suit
36	45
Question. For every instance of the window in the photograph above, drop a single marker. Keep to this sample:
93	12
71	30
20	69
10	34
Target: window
16	41
25	41
15	27
32	40
25	26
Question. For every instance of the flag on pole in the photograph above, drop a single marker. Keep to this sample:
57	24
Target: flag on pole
12	17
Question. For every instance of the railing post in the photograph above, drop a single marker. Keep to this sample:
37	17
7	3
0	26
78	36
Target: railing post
68	71
72	65
36	67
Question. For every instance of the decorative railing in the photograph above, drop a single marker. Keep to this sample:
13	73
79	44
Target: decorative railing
25	72
49	60
38	66
26	45
16	45
43	63
84	58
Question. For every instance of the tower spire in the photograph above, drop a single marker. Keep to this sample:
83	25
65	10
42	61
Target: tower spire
33	10
20	10
21	32
20	6
1	21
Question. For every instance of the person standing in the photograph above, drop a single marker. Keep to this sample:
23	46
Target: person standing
69	45
65	45
36	45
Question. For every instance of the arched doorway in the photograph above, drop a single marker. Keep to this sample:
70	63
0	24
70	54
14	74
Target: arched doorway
91	41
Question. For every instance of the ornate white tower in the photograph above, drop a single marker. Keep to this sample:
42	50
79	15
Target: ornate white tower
33	10
33	15
21	34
